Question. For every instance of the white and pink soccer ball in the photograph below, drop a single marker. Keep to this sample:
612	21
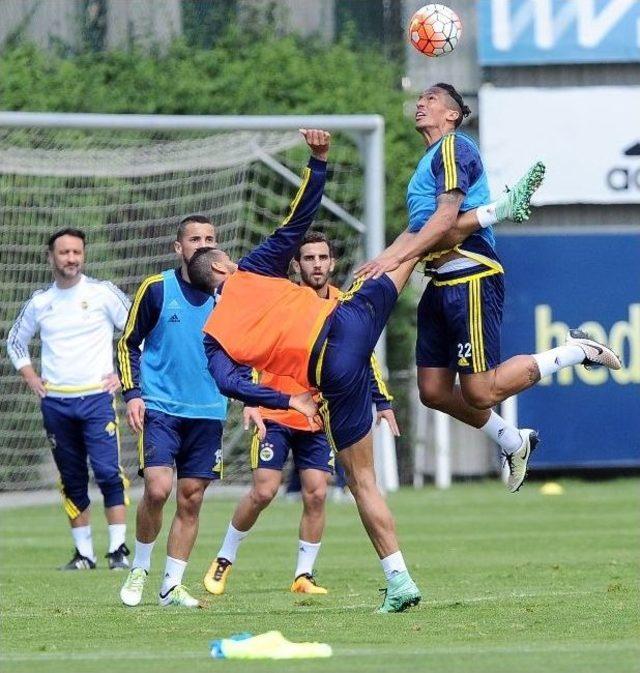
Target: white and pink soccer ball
435	29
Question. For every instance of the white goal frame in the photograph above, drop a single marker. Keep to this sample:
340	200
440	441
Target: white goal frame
368	132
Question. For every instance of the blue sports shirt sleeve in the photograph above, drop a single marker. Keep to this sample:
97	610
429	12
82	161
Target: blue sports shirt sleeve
379	392
142	318
272	258
456	165
235	380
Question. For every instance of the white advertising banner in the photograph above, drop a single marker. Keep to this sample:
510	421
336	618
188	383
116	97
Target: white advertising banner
589	138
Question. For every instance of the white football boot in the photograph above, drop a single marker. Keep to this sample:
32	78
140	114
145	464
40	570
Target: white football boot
518	460
595	353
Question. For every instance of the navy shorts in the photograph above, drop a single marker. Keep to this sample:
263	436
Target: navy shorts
79	428
459	321
193	445
310	450
344	362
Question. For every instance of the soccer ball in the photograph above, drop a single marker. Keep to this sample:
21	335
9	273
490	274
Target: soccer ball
434	30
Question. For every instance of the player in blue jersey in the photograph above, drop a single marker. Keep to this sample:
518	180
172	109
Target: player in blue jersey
460	313
176	409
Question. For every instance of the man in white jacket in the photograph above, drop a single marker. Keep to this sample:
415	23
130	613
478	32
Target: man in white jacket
76	317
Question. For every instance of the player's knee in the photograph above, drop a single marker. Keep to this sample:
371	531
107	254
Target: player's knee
156	492
479	398
361	482
262	495
432	397
189	502
314	499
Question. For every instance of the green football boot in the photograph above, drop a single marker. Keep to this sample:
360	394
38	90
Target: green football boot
515	203
400	594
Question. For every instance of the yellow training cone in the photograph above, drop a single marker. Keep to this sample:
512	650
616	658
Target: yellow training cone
551	488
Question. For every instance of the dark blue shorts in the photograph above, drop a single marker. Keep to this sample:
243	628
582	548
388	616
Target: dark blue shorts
459	321
310	450
81	427
345	379
193	445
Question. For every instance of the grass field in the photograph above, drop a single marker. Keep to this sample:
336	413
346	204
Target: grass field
510	583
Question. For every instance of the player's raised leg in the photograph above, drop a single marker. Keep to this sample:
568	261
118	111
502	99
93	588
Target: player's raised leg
485	389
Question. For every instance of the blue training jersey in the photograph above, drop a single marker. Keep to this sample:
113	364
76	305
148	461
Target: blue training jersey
451	163
170	373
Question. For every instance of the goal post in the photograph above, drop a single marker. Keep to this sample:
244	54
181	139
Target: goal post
126	179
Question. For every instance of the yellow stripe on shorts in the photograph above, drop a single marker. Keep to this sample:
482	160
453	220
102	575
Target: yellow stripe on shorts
141	449
323	410
253	452
475	326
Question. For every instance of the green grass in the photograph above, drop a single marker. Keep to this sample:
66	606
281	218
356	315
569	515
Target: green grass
525	583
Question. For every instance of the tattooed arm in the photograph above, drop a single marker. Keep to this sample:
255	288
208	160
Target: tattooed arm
436	229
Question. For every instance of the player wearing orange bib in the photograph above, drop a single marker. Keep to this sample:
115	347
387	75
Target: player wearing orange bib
280	431
263	320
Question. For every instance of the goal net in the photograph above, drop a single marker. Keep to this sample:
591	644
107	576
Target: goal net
127	189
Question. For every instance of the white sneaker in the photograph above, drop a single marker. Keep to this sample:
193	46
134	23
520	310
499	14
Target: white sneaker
518	460
178	595
595	353
131	592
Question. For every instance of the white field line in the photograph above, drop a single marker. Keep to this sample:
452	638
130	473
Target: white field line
317	609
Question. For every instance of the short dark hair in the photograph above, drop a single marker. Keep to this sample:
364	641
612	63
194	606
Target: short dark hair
199	268
182	225
68	231
465	111
316	237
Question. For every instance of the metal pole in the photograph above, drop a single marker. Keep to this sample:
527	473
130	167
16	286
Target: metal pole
442	430
385	449
374	207
370	123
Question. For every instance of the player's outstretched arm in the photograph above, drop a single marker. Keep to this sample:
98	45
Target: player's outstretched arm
272	258
409	246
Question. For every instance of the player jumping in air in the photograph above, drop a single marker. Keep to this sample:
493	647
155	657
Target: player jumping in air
460	313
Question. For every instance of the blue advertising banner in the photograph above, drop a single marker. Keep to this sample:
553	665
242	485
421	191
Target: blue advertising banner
559	279
526	32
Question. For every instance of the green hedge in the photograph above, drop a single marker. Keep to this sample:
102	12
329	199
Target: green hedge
244	73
